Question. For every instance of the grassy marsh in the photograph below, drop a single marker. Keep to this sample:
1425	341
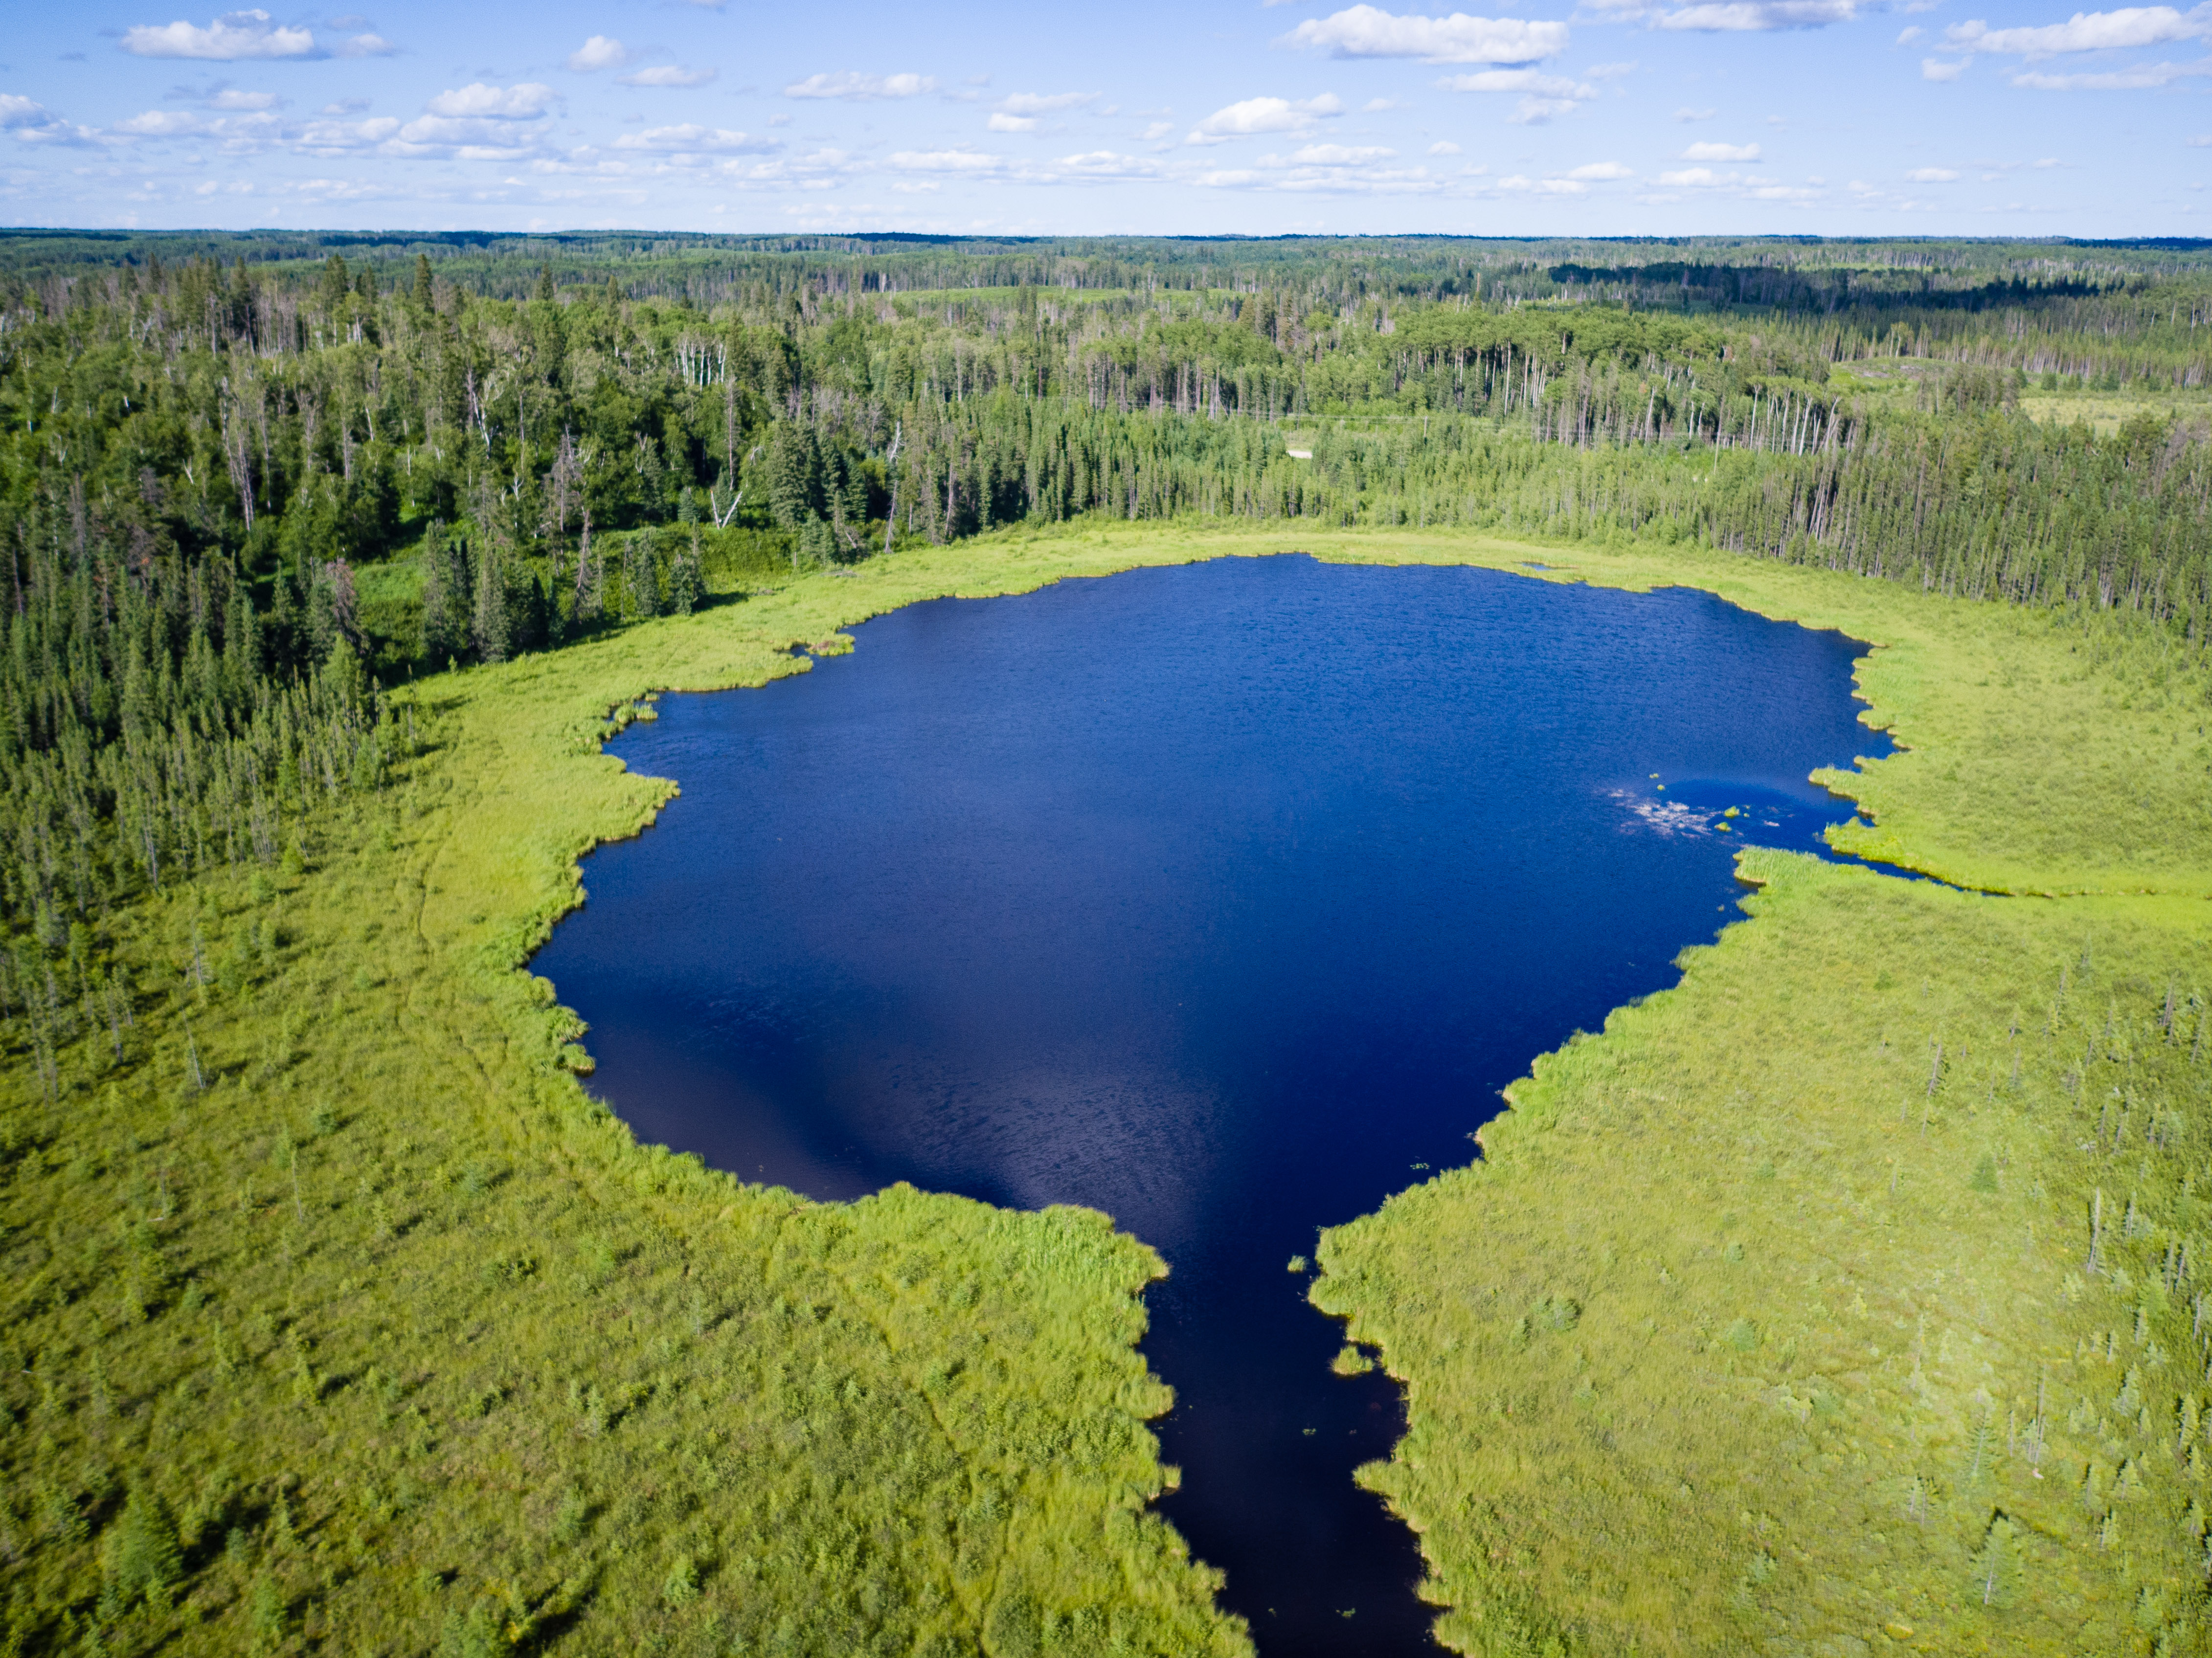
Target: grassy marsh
482	1373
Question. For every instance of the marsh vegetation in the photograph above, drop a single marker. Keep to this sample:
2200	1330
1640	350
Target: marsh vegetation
338	1313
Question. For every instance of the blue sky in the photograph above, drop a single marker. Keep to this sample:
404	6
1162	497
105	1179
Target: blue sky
1611	117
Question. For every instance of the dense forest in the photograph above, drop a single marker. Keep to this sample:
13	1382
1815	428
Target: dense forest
246	478
264	494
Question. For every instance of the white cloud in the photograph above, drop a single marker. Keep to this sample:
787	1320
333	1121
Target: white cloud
368	45
1543	96
1003	123
1377	106
1521	184
1721	153
523	102
1936	69
691	139
229	98
1519	80
779	119
2086	31
851	84
669	77
1750	16
1101	165
1327	169
234	35
338	137
1599	172
477	122
1258	115
1034	103
600	51
1331	155
1443	147
1693	177
1158	130
1905	37
1932	175
1365	31
1695	114
2143	77
967	162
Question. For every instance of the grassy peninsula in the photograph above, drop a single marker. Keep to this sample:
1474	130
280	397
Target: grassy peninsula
1848	1295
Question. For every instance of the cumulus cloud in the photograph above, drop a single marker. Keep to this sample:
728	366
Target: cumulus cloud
523	102
1751	17
230	98
1542	96
1599	173
1721	153
1443	147
1261	115
339	137
479	122
1932	175
600	51
234	35
17	111
851	84
1365	31
667	76
695	140
368	45
2086	31
1002	122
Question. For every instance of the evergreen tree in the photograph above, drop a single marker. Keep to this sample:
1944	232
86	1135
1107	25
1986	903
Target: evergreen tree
445	589
684	582
491	624
794	475
641	575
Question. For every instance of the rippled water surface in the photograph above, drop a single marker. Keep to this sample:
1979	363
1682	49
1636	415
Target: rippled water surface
1222	897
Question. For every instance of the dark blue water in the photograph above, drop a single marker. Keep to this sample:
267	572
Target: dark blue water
1224	898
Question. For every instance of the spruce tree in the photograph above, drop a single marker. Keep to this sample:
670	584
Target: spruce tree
641	575
445	583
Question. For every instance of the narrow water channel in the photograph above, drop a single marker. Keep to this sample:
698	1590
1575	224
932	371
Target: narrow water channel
1222	897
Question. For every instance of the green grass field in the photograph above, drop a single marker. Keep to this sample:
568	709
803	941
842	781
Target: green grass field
342	1319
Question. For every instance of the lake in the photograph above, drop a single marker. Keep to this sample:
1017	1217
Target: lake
1223	897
